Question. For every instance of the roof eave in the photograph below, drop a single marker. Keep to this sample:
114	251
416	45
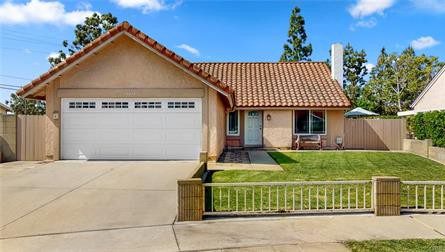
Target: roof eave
141	38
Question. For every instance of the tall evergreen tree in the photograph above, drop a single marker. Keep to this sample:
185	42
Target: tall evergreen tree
373	95
354	72
92	28
397	80
296	48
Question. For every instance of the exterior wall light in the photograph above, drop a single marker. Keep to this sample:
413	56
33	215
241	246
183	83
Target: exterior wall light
269	117
55	115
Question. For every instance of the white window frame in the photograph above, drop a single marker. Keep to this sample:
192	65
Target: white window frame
114	102
74	102
182	105
227	125
310	123
155	105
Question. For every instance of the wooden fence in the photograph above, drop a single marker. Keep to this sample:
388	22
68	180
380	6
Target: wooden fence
7	138
374	134
31	130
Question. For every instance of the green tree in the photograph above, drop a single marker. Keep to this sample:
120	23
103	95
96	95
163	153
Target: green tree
22	106
296	48
374	95
397	80
92	28
354	72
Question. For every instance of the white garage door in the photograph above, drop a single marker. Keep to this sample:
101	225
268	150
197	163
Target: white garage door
131	128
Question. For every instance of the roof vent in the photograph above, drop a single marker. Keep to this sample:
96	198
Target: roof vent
337	63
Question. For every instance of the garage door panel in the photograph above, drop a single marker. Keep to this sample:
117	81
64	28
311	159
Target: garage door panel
131	132
148	136
115	151
142	151
72	136
117	136
180	151
152	121
113	120
79	120
182	121
182	136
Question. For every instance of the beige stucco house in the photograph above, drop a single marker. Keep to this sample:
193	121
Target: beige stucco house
432	97
125	96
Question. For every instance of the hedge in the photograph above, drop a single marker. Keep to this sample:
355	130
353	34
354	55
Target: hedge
429	125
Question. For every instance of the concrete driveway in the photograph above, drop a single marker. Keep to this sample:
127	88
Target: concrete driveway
80	197
131	206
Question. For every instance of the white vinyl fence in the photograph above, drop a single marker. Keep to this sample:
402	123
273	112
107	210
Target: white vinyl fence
422	196
288	197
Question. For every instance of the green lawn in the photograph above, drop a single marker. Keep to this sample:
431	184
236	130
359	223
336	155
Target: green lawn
341	165
323	166
397	245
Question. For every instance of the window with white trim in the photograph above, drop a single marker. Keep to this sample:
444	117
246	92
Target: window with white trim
181	104
149	105
310	122
81	105
233	123
114	105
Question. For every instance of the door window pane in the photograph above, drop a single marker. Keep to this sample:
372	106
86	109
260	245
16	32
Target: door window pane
301	121
232	124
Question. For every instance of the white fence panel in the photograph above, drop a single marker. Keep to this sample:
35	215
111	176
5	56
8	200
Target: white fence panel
288	197
422	196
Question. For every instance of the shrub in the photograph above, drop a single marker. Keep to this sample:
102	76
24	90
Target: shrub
429	125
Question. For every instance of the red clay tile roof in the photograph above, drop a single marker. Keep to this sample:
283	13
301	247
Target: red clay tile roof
120	28
305	84
283	84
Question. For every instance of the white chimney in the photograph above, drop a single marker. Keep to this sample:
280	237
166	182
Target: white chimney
337	63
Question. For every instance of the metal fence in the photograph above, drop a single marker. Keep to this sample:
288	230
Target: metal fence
422	196
288	197
383	195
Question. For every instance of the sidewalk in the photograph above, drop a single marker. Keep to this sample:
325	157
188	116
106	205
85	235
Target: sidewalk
309	233
323	231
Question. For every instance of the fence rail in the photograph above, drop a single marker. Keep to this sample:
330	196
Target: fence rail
423	196
288	197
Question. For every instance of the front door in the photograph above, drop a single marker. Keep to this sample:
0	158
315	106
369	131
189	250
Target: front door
253	128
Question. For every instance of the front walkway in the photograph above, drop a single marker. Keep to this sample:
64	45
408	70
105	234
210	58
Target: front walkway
255	160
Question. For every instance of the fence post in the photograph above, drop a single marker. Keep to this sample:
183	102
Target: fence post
428	143
190	199
386	196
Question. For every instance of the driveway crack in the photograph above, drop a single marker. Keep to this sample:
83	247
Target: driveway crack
58	197
84	231
426	225
174	233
